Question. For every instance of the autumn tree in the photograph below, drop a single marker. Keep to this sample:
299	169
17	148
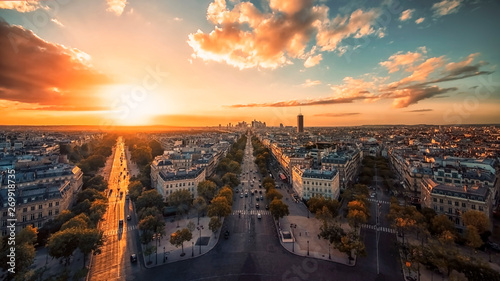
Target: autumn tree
230	179
227	193
214	224
219	207
273	194
278	209
477	219
135	189
179	237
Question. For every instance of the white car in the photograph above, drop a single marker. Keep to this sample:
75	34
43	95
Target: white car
259	216
373	194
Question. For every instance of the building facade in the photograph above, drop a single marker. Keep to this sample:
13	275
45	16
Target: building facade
315	183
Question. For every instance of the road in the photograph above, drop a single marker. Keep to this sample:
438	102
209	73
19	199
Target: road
121	239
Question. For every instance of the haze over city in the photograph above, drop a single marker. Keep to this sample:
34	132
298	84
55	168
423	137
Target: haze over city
204	63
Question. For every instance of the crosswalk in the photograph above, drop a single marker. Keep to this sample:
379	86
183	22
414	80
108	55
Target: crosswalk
251	212
380	228
121	230
379	201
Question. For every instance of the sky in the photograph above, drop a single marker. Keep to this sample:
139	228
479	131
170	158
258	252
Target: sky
204	63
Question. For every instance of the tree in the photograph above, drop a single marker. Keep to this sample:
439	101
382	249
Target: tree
473	239
135	190
90	240
441	223
179	237
80	221
150	198
200	206
97	210
141	155
227	193
477	219
90	194
63	243
351	244
27	235
356	217
231	179
156	148
25	255
207	189
148	251
151	225
150	211
278	209
332	232
219	207
324	215
214	224
272	194
181	200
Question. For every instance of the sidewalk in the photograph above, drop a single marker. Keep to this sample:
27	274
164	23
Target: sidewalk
192	248
307	241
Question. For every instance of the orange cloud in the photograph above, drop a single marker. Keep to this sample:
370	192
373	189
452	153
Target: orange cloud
446	7
401	60
44	74
310	83
21	6
406	14
245	37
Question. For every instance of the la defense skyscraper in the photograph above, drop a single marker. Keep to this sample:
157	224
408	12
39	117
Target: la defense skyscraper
300	123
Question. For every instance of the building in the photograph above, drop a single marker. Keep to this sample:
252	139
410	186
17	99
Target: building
169	181
452	200
42	193
347	162
300	123
314	183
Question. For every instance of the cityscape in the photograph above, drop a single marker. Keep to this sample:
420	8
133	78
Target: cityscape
249	140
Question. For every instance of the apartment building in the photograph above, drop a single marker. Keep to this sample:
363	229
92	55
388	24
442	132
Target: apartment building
172	180
309	183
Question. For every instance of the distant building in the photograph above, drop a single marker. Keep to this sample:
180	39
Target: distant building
300	123
315	183
347	162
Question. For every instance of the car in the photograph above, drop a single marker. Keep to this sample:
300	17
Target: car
259	216
120	223
373	194
257	205
237	190
133	258
267	207
129	217
241	195
257	198
261	197
226	234
260	191
246	194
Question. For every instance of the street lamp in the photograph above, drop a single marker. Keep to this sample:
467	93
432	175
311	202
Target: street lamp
329	255
308	247
163	254
192	249
199	240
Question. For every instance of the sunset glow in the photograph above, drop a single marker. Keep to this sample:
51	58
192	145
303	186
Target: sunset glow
211	62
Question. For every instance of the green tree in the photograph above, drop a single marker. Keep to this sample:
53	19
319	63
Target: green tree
181	200
63	243
90	194
150	226
214	224
179	237
80	221
207	189
441	223
90	240
156	148
27	235
149	198
149	211
135	189
141	155
351	244
97	210
219	207
278	209
148	251
231	179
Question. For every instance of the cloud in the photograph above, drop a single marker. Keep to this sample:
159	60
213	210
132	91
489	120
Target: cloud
246	37
419	20
446	7
311	83
43	73
420	110
57	22
21	6
400	60
306	102
421	72
412	95
116	6
177	19
313	60
406	14
336	114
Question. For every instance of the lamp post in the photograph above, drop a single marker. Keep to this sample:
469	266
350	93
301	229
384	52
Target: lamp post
308	247
199	240
163	254
329	255
192	249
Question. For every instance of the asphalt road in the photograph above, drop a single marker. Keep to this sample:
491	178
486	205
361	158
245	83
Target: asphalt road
114	261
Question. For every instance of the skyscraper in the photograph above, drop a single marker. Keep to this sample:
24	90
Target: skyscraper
300	123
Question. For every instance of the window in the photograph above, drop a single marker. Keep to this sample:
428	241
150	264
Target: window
24	218
464	205
50	205
441	201
473	207
25	210
449	202
441	208
5	213
40	215
50	213
57	203
32	216
434	199
40	207
456	203
57	211
450	210
481	208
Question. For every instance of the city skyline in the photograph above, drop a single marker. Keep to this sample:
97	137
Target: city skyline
204	63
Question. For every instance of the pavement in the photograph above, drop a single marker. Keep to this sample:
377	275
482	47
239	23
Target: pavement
192	248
